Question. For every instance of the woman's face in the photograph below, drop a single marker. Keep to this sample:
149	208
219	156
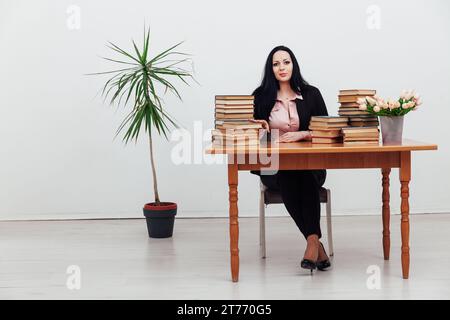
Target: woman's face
282	65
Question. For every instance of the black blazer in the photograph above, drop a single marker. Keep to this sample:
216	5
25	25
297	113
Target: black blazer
311	105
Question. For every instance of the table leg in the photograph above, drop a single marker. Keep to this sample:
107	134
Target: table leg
405	177
386	213
234	226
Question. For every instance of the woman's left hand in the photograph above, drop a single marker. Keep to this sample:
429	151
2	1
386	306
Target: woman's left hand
292	136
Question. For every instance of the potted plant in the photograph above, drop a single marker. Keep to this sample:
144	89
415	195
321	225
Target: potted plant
136	82
391	113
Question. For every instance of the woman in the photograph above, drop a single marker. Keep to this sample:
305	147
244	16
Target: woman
286	102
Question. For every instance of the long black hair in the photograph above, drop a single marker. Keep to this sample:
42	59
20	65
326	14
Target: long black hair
266	93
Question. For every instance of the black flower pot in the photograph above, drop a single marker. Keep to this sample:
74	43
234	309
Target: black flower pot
160	219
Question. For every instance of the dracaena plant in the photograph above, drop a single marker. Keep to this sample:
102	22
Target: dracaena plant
135	85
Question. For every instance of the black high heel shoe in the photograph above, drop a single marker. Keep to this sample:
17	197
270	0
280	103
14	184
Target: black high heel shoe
324	264
308	264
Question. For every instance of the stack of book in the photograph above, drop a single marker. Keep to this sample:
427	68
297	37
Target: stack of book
234	109
361	135
232	125
327	129
235	137
348	100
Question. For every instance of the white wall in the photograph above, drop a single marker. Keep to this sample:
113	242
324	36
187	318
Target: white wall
58	157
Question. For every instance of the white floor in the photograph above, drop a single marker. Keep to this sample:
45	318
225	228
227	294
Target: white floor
117	260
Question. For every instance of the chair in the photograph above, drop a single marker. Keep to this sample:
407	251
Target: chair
271	196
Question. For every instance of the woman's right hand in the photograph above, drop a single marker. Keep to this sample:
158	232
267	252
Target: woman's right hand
264	123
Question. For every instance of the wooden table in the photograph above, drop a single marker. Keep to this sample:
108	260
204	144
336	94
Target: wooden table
307	156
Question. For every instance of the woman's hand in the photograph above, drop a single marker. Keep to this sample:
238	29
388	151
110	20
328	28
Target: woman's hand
264	123
293	136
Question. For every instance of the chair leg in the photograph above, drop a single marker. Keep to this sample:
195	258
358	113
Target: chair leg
262	226
329	228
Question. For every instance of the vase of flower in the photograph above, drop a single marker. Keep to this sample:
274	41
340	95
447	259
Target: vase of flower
391	113
391	129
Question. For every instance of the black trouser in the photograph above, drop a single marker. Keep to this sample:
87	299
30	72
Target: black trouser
300	194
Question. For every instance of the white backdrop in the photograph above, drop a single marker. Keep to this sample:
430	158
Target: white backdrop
58	156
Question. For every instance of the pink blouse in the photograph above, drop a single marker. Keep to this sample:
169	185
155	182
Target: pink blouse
284	115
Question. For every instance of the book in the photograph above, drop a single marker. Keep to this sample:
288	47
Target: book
364	118
350	113
361	134
232	141
230	134
248	125
360	137
235	131
234	102
229	111
351	99
329	119
349	104
363	123
234	106
350	92
326	140
361	142
235	121
322	128
319	124
349	108
234	116
363	129
326	134
346	139
234	97
235	143
235	136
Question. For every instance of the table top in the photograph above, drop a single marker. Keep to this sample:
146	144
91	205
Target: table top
308	147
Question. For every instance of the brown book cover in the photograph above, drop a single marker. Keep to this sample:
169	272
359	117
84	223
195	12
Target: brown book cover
360	136
236	131
364	129
234	106
225	140
356	108
234	97
242	126
361	139
235	143
327	140
234	102
352	113
235	121
359	132
356	143
234	116
363	123
350	92
328	125
364	118
325	134
352	99
349	104
227	111
313	127
329	119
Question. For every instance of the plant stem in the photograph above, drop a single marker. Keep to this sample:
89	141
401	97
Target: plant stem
155	183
